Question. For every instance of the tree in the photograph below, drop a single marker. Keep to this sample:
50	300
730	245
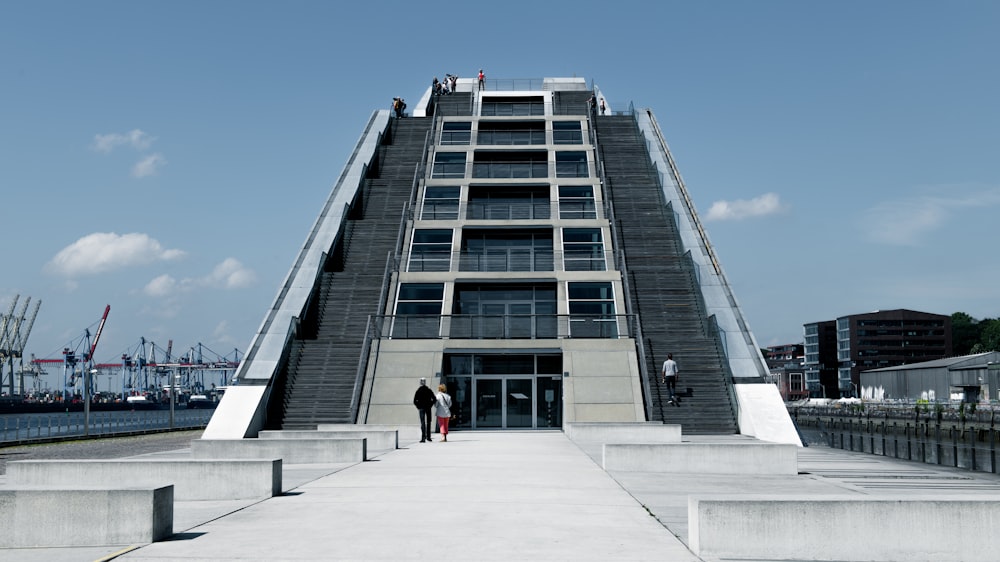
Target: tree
965	333
990	334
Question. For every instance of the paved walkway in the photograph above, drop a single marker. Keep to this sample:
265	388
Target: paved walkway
493	496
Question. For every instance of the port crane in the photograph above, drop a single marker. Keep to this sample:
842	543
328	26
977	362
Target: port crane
14	333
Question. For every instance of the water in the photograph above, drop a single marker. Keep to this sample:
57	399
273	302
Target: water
21	427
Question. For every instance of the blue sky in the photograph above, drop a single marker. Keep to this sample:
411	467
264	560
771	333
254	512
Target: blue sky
168	158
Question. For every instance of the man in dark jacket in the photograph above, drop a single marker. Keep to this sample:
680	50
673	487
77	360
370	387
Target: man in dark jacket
424	400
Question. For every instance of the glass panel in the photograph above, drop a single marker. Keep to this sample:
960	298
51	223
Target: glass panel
519	403
571	165
460	389
506	364
421	291
566	132
520	321
455	132
449	165
488	404
431	250
549	412
440	203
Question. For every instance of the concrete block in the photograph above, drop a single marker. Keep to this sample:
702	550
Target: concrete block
42	516
703	458
377	439
291	451
848	528
407	432
622	432
217	479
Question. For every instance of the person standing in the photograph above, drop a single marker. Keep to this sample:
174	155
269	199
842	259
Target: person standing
443	410
424	399
482	79
669	377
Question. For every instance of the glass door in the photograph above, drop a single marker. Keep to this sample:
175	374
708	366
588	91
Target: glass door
519	397
505	402
489	403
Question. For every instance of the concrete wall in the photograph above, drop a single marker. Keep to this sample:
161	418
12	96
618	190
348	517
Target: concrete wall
377	440
291	451
85	517
703	458
407	433
192	479
603	382
610	432
848	528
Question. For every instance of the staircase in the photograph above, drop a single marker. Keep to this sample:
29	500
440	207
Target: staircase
458	103
571	102
322	364
664	290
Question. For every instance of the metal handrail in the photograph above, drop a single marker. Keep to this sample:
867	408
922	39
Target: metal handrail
542	209
505	326
497	261
706	245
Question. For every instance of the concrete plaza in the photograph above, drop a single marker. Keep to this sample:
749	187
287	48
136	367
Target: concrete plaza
497	496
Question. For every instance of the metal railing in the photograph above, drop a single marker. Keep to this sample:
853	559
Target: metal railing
505	326
453	209
508	260
510	169
20	428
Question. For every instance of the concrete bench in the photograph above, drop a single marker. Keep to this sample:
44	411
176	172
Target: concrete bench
291	451
703	458
843	528
638	432
378	440
217	479
407	433
49	516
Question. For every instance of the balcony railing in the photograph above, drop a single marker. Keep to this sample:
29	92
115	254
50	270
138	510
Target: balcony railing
451	209
512	169
508	326
509	260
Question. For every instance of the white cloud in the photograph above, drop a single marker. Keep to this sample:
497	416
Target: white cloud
230	274
162	286
905	222
148	166
101	252
767	204
135	139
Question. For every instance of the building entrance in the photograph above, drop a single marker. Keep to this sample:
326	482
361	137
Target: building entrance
485	400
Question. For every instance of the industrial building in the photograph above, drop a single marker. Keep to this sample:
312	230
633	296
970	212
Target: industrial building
969	378
873	340
524	244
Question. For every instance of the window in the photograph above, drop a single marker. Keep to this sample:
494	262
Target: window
592	311
431	250
456	132
583	250
572	165
577	202
506	250
440	203
511	132
449	165
566	132
510	164
418	310
504	311
512	107
508	203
